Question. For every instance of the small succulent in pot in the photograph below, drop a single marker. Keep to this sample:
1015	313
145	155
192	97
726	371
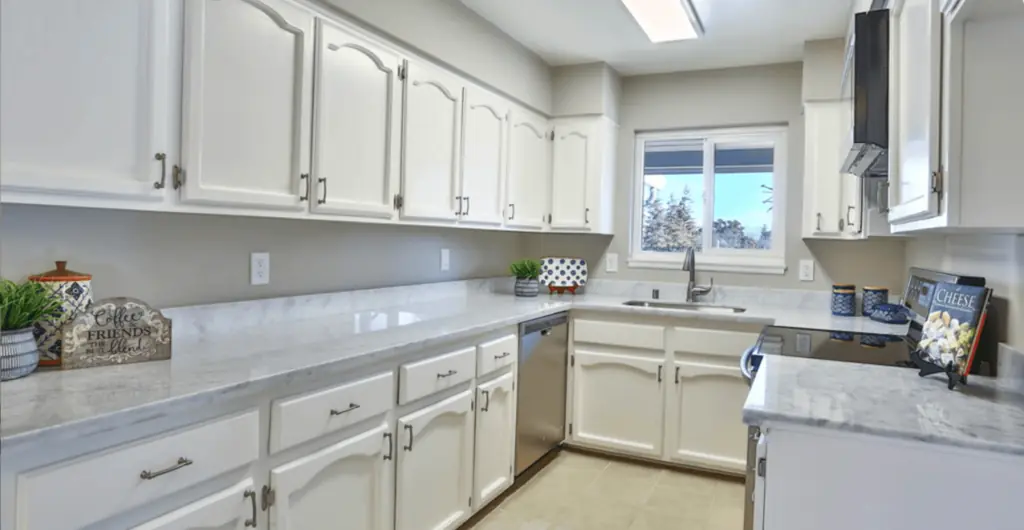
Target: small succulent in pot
526	272
20	307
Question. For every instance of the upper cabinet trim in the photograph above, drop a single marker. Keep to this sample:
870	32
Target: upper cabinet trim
439	86
275	16
365	51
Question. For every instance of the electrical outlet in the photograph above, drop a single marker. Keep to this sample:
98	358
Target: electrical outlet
445	259
611	262
807	270
259	268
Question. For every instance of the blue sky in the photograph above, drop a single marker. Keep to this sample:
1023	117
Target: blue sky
738	196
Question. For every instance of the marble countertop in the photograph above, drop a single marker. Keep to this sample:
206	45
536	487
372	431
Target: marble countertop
207	367
986	414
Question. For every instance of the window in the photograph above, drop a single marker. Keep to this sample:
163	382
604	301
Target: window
720	192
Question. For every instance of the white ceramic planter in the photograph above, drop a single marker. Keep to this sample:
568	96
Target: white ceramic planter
19	354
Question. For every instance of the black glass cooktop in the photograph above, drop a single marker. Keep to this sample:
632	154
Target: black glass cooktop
866	348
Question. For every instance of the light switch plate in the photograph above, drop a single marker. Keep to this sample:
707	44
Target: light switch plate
807	270
445	259
611	262
259	268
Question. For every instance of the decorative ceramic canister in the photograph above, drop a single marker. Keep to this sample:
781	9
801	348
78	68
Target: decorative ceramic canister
844	300
74	289
872	298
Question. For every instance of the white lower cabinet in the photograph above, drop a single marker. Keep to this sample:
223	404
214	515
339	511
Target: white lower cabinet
350	481
705	424
617	402
435	465
231	509
495	439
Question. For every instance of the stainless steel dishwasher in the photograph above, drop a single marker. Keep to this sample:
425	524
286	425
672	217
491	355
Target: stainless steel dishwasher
543	361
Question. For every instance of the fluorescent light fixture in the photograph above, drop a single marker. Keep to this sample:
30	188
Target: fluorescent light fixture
666	20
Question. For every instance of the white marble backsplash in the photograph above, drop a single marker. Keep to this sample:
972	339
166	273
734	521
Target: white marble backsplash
730	295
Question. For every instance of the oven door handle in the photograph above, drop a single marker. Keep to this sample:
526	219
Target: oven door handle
745	364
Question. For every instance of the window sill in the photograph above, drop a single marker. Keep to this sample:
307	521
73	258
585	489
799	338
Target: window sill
775	265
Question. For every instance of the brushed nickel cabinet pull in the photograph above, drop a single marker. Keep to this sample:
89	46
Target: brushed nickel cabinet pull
162	158
849	210
449	373
659	373
459	199
323	185
408	428
487	400
304	177
251	495
512	206
819	222
150	475
391	447
351	407
677	375
502	356
467	205
177	177
586	216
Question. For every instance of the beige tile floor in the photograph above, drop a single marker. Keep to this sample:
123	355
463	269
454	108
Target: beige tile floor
583	492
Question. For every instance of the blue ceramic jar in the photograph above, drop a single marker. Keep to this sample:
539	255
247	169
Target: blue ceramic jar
844	300
873	297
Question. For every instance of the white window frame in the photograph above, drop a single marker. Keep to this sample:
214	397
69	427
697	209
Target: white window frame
770	261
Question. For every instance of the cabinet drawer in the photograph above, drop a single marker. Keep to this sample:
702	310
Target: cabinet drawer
619	334
298	419
95	487
711	342
496	354
425	377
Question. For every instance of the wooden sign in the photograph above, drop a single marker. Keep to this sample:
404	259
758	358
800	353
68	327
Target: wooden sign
116	331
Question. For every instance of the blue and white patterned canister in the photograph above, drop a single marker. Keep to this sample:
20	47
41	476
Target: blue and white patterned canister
872	298
844	300
74	290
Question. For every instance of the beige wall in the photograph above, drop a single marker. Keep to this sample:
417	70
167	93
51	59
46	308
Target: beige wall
999	258
452	33
824	61
593	88
182	259
760	95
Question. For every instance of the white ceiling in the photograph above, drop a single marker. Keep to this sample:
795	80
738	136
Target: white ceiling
737	32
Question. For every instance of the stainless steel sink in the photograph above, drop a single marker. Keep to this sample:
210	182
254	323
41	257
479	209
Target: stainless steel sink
683	306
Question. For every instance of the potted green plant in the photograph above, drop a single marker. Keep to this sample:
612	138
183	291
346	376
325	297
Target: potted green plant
20	307
526	272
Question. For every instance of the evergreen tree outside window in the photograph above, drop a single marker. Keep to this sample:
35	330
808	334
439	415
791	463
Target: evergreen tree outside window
717	191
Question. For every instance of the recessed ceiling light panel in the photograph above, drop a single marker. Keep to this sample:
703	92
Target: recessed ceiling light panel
666	20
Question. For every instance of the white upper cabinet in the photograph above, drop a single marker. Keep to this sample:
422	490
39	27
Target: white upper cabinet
705	425
617	402
435	465
433	140
573	150
351	481
916	85
247	102
495	439
823	186
484	152
86	96
357	124
232	509
529	171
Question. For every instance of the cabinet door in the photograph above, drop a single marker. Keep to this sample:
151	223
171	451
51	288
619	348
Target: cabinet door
86	96
350	481
822	179
435	465
247	103
484	154
227	510
617	402
573	146
916	45
356	125
495	439
433	132
529	171
706	428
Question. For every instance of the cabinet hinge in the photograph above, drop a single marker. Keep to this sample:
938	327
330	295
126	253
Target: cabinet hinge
398	202
549	218
177	177
267	497
572	360
883	197
570	429
762	467
552	136
937	181
401	72
470	502
472	404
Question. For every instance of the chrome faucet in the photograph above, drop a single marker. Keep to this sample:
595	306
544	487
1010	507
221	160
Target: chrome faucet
692	289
